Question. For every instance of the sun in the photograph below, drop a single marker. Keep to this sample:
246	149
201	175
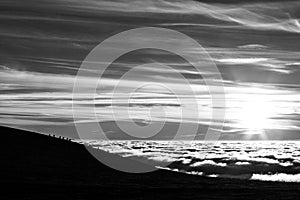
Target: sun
255	114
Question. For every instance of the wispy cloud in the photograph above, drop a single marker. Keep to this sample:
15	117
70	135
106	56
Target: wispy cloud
254	46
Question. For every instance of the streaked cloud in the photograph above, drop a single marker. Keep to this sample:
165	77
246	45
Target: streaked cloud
253	44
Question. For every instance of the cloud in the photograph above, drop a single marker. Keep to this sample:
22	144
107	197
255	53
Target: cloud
268	64
208	162
237	61
43	50
277	177
252	46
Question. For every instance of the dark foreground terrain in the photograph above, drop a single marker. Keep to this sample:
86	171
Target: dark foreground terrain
35	166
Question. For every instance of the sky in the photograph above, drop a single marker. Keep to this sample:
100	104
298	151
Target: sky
254	44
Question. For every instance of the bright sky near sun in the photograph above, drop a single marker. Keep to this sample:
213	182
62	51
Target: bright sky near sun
255	47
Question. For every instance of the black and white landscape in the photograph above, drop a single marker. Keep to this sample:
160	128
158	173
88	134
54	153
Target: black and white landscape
255	46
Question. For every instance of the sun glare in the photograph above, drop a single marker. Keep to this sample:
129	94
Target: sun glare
255	113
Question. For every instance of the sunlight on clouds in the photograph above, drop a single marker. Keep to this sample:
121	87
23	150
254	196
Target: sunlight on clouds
277	177
250	108
254	46
255	113
241	60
